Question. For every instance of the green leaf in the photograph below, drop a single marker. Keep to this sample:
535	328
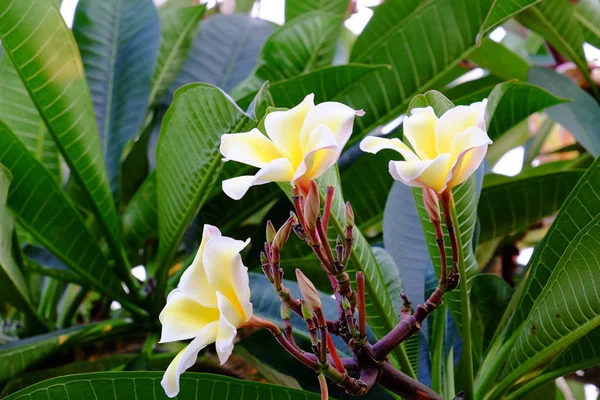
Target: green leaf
420	59
188	159
580	117
45	54
178	27
500	61
14	287
555	21
146	385
224	52
119	63
15	357
48	214
19	113
587	13
39	261
501	11
139	219
296	8
510	204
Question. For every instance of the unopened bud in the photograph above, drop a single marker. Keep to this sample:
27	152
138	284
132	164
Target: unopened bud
339	248
270	232
308	290
307	312
431	203
283	234
349	215
285	312
345	303
312	206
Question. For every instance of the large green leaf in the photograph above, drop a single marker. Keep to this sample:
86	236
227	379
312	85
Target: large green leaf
500	60
118	41
420	59
48	214
306	43
501	11
139	219
45	54
14	287
296	8
19	113
581	117
188	158
587	13
146	385
224	52
15	357
509	204
178	27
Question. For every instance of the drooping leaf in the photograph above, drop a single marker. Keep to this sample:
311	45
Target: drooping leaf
178	27
118	41
19	113
509	204
501	11
224	52
146	385
45	55
188	158
580	117
296	8
47	213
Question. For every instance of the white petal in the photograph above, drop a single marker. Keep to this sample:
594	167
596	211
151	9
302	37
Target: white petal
373	144
419	130
184	318
252	148
457	120
193	282
338	117
227	329
320	153
228	275
433	174
468	149
279	170
283	127
187	358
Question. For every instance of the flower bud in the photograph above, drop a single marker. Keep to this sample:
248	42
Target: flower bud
308	290
270	232
312	206
283	234
431	203
285	312
307	312
349	215
345	303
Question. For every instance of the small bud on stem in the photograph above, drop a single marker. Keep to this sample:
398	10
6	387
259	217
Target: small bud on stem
308	290
312	206
283	234
270	234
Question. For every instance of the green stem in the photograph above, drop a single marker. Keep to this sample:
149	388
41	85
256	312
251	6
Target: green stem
452	220
66	319
449	390
492	369
439	325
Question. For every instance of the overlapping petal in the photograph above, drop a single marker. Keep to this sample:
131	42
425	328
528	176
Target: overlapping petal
373	144
279	170
252	148
419	130
457	120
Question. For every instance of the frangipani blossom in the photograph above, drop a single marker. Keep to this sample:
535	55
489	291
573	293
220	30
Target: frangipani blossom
300	145
446	150
211	301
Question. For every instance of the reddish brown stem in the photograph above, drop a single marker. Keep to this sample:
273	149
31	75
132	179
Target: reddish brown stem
327	206
404	386
439	238
362	310
324	242
337	361
453	277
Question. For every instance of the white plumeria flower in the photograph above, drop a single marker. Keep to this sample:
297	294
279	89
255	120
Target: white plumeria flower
446	150
301	144
211	301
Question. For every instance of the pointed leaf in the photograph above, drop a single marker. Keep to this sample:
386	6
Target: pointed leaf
501	11
296	8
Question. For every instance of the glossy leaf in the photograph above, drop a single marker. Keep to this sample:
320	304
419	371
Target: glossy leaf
178	28
119	63
500	60
146	385
188	158
509	204
587	13
140	218
296	8
501	11
47	213
45	54
581	117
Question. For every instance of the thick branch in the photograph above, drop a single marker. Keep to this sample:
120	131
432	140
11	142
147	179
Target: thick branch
404	386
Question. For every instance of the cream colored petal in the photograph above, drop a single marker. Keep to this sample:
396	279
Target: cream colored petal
227	328
320	153
193	282
468	150
457	120
338	117
279	170
283	127
433	174
419	130
227	274
184	318
374	144
252	148
187	358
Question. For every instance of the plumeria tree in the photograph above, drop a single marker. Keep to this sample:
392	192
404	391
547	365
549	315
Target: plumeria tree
198	203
